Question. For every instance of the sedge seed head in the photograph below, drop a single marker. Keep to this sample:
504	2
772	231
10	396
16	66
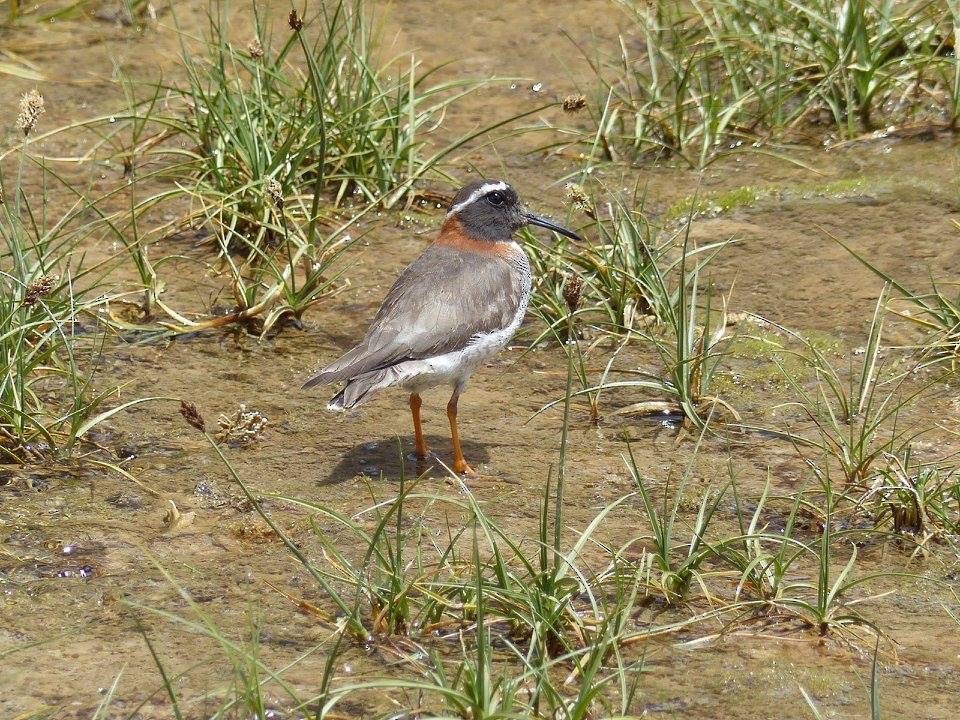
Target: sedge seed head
295	21
242	427
578	197
192	415
275	193
255	49
39	289
573	291
573	103
31	108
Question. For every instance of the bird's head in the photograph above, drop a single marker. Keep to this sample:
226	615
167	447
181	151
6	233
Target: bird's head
491	210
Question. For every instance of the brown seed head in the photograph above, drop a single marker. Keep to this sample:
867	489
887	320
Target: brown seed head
39	289
572	291
192	415
275	193
31	108
573	103
255	49
578	197
295	21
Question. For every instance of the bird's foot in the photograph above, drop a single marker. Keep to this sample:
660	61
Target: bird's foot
462	468
423	461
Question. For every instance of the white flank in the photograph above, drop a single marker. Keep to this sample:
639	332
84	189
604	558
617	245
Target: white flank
477	194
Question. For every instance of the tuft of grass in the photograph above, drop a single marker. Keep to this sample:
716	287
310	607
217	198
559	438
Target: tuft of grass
475	689
690	353
51	339
630	277
400	586
772	568
678	570
922	499
827	608
762	558
690	338
855	415
723	76
311	108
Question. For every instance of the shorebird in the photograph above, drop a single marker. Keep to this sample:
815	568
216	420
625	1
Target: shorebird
453	307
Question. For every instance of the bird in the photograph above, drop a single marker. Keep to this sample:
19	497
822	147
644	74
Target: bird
452	308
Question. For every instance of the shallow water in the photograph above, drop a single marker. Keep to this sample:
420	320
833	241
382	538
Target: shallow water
86	555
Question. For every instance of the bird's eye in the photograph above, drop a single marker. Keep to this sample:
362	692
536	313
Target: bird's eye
496	199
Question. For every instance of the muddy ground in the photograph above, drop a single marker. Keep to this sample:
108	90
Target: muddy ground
81	547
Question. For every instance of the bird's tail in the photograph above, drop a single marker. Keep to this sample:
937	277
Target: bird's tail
332	373
349	364
361	388
321	378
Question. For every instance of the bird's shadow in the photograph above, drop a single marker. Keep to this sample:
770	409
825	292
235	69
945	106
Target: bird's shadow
391	457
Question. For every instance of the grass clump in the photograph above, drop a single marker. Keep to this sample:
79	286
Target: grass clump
50	339
680	564
637	287
720	75
773	567
41	356
630	276
920	499
313	108
855	416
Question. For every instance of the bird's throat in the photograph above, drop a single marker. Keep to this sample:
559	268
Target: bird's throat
453	234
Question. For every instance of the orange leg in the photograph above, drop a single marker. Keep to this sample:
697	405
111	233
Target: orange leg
415	403
459	462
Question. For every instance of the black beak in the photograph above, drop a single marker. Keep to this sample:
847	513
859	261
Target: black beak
544	223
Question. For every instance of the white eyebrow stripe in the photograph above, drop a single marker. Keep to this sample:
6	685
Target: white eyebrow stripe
478	193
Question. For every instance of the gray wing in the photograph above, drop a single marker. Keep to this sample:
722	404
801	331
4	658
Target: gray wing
444	298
